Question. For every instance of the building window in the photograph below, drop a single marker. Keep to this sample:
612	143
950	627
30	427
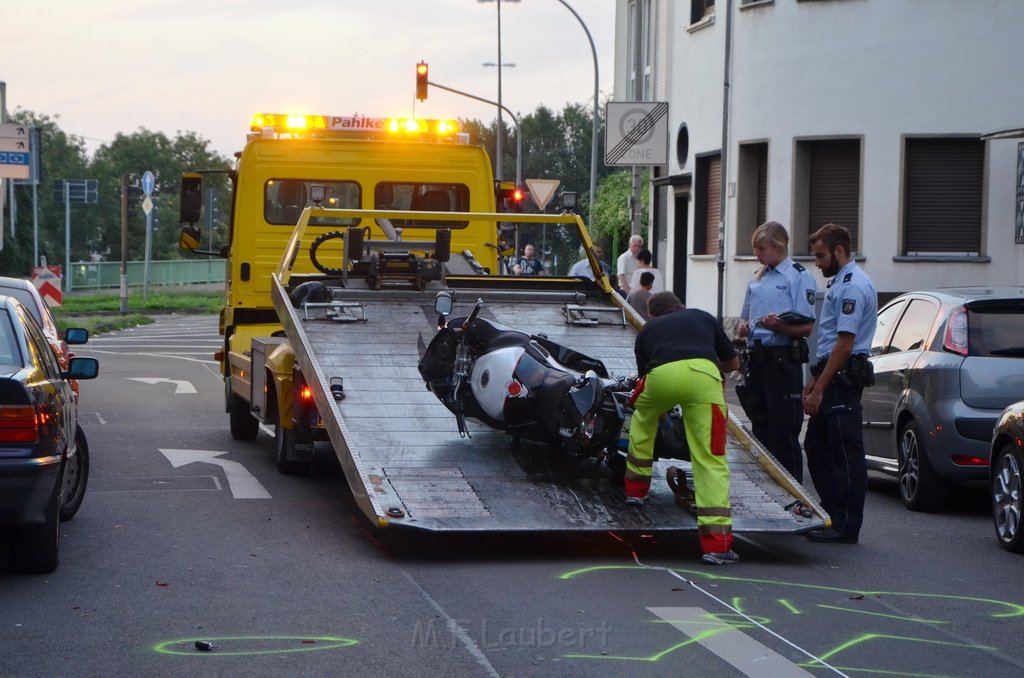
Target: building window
751	193
708	206
942	202
826	189
701	9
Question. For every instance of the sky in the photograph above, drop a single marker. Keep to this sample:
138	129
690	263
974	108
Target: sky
108	66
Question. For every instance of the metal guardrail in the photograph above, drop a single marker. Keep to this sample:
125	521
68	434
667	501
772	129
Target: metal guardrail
87	275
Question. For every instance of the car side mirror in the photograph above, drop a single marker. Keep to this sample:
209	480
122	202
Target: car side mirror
76	335
82	368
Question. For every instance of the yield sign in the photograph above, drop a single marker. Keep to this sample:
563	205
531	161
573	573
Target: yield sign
542	190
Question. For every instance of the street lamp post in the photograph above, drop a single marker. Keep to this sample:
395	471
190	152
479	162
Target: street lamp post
501	130
593	140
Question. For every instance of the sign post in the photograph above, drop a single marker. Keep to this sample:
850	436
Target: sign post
148	183
68	191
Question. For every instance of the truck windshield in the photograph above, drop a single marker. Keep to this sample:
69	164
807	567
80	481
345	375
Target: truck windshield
418	197
284	200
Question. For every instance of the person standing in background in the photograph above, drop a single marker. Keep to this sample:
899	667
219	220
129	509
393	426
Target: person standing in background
772	394
643	264
639	298
627	263
834	440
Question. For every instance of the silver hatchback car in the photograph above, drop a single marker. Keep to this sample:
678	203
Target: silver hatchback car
947	361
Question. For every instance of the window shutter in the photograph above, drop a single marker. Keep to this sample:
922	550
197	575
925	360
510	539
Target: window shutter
714	194
835	186
942	207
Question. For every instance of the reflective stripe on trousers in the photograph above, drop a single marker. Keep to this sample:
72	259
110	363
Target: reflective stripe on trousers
696	386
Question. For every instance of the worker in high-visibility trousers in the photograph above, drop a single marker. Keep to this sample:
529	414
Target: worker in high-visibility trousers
681	355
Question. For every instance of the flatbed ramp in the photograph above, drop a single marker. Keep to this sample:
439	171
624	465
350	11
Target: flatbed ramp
408	467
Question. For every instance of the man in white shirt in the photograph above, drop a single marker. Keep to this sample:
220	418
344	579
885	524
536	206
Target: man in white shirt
627	264
643	259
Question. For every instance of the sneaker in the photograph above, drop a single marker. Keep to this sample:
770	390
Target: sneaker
634	501
727	558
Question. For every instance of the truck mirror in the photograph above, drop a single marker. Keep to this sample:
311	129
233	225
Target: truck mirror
191	198
443	303
189	239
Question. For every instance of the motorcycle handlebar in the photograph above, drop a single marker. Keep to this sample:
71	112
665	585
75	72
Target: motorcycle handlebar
474	314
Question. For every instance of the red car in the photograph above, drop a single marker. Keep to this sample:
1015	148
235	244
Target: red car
25	292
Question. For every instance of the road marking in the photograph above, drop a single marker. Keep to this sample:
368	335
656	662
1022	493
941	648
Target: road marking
181	386
243	485
729	643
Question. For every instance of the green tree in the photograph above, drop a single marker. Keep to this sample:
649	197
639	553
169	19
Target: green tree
611	221
166	158
554	146
62	156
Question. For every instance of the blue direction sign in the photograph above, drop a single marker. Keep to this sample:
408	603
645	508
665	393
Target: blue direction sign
82	190
148	182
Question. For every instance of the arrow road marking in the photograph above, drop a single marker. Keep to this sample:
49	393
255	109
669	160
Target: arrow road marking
180	385
732	645
243	485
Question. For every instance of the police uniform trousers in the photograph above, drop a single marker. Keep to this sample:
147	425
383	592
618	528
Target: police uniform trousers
835	456
696	386
774	403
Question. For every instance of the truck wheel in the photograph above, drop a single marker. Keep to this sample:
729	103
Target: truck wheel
284	447
76	477
244	426
36	548
920	488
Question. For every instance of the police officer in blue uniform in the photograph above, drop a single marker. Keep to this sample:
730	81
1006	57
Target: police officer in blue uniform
778	313
834	442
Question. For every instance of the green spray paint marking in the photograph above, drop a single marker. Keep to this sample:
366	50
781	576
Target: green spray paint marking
288	644
789	606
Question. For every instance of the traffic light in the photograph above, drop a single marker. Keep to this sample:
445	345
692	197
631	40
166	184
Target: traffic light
134	198
421	80
510	196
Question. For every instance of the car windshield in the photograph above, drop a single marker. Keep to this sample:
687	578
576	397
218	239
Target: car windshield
23	295
995	331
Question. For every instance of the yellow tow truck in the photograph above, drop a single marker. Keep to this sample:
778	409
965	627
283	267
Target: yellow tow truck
342	232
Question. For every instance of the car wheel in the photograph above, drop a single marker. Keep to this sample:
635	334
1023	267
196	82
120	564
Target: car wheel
244	426
1007	470
36	548
76	477
284	442
920	488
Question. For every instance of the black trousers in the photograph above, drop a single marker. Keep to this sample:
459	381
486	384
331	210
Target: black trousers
774	404
835	457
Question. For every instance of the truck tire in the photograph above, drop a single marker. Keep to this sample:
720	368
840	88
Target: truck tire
284	444
76	477
244	426
36	549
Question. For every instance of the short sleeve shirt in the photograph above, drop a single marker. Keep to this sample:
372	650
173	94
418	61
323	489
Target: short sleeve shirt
851	305
531	266
626	264
681	335
786	287
657	286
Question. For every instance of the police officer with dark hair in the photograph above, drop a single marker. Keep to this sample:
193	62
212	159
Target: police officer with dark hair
777	315
834	442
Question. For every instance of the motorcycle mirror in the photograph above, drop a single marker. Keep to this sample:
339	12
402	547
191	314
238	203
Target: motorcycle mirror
444	303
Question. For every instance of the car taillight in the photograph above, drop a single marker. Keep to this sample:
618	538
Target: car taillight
19	423
967	460
955	339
